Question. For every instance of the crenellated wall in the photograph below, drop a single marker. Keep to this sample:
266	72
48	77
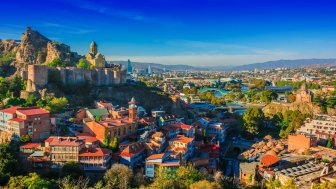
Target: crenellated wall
38	76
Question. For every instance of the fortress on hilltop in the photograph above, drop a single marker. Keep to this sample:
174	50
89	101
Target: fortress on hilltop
102	74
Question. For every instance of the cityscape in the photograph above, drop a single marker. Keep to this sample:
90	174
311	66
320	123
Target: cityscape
117	95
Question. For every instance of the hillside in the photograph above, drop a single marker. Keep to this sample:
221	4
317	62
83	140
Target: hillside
286	63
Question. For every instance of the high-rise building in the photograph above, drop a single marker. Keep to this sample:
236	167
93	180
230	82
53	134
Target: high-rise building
149	70
129	67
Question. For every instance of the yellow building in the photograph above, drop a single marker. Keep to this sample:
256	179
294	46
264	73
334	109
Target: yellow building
96	59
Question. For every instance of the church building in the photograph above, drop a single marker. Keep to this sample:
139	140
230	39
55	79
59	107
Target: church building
304	95
96	59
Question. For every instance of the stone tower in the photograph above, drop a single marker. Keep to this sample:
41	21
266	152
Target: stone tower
93	48
132	110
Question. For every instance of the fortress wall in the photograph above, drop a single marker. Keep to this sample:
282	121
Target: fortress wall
37	76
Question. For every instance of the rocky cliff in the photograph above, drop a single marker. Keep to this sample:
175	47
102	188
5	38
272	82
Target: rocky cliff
34	48
8	46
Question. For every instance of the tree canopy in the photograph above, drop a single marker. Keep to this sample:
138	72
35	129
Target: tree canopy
253	120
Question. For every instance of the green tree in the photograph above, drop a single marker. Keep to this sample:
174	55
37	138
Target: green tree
204	184
32	181
56	104
71	183
9	162
25	139
56	63
253	120
83	63
4	87
114	145
331	102
188	175
329	143
72	169
118	176
16	85
15	102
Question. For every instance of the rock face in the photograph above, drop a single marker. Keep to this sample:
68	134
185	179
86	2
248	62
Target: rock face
8	46
33	48
37	49
57	50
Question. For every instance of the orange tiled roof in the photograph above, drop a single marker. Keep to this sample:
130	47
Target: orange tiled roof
63	141
11	110
95	152
182	139
30	145
133	149
155	156
268	160
17	120
32	111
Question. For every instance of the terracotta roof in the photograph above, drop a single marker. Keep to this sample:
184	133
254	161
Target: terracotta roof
30	145
182	139
64	141
17	120
95	152
11	110
156	156
133	149
32	111
87	137
268	160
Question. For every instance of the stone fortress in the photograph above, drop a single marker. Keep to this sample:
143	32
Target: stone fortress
102	74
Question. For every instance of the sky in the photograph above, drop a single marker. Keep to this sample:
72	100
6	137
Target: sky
193	32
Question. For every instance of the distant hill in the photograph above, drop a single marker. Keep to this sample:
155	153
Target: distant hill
263	65
159	67
285	63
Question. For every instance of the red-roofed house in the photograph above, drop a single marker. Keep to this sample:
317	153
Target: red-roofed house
133	154
95	158
19	121
163	159
181	145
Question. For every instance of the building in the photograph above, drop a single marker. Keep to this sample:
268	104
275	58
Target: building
120	124
322	126
104	104
57	151
133	154
129	67
96	59
63	149
301	142
99	113
181	147
163	160
304	95
19	121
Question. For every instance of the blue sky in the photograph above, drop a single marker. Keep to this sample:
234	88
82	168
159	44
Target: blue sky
194	32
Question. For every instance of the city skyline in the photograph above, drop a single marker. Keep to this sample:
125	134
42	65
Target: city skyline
196	33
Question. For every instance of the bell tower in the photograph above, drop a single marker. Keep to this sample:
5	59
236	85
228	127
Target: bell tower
132	110
93	48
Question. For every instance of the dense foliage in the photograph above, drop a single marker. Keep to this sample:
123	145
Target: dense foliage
56	63
83	63
253	120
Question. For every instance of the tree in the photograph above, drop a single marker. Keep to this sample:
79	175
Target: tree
56	63
72	169
82	63
56	104
15	101
16	85
114	145
32	181
331	102
70	183
253	120
4	87
118	176
188	175
9	162
204	184
25	138
329	143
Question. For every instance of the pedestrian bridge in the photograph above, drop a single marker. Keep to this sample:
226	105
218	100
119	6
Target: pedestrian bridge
221	91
